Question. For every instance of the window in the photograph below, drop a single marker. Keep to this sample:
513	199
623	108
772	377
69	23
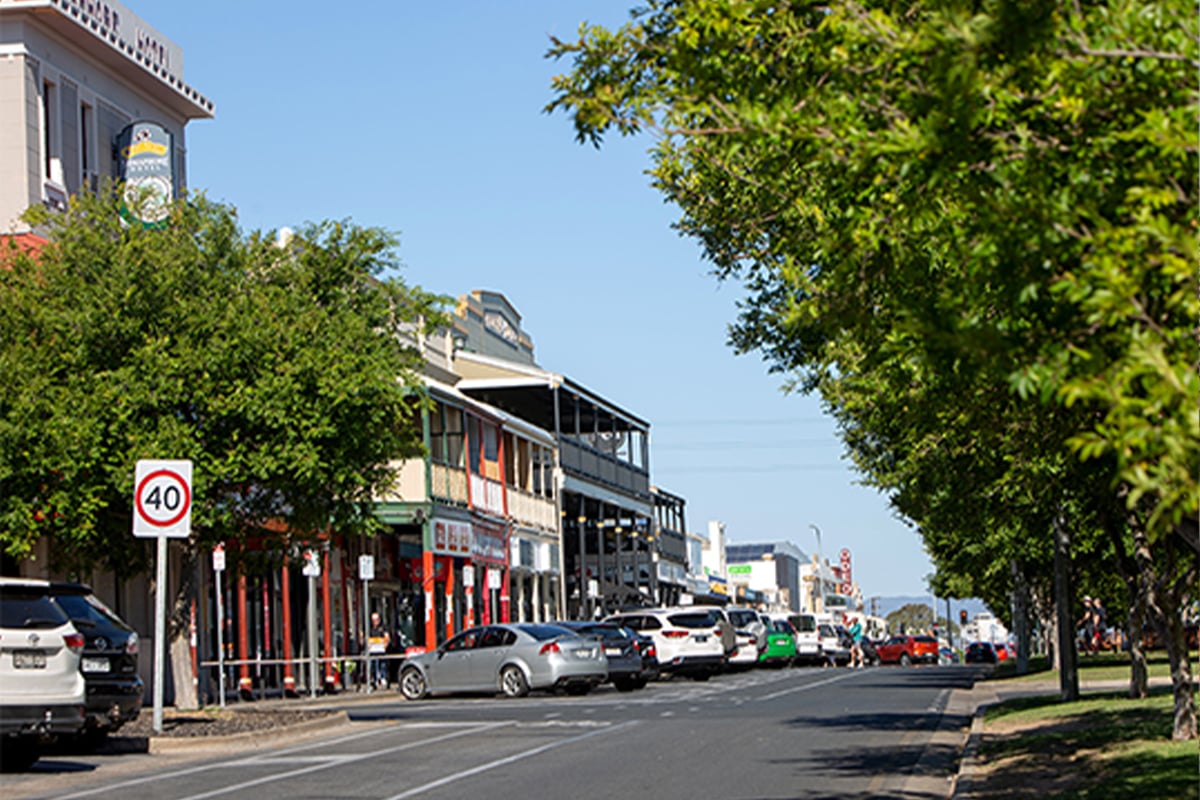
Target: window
51	163
86	162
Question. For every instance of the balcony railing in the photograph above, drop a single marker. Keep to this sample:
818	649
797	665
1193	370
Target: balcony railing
449	483
598	466
531	510
487	495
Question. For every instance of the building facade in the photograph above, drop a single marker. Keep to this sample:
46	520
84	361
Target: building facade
73	75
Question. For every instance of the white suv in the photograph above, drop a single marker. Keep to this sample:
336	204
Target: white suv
688	639
808	638
42	690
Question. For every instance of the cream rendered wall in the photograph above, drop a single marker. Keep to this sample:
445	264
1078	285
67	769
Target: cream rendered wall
30	55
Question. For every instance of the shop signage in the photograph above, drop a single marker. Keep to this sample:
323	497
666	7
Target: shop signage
740	569
451	538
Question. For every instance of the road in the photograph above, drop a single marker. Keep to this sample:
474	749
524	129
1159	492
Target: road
812	733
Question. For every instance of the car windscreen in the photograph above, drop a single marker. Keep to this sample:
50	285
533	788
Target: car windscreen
545	632
29	607
88	610
693	619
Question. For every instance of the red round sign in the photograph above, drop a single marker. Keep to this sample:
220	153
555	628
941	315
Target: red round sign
176	501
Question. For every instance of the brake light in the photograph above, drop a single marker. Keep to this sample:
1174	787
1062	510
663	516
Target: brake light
74	642
675	634
549	647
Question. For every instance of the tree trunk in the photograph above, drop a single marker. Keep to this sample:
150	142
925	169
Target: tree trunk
1021	616
1068	674
1139	681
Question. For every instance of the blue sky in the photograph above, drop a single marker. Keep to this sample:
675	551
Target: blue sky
426	119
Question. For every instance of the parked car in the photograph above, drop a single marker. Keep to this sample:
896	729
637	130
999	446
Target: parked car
947	655
627	670
808	638
980	653
870	655
509	658
833	647
41	688
686	638
906	650
780	647
750	634
1001	649
109	661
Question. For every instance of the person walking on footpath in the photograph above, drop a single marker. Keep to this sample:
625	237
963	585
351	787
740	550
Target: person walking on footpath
1088	623
378	641
1100	625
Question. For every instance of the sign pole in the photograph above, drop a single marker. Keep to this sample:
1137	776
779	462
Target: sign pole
160	625
218	568
162	509
312	635
366	573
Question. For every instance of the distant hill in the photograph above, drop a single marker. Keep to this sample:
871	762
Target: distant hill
886	605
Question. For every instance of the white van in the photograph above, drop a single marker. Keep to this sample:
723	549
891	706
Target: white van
808	638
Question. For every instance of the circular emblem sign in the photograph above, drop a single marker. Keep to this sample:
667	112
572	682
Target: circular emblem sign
162	498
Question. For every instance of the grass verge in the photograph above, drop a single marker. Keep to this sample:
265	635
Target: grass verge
1102	746
1099	667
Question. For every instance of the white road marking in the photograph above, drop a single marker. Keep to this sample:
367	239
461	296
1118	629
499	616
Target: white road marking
416	790
806	686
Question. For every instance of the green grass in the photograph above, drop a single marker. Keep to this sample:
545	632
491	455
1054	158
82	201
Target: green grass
1112	746
1100	667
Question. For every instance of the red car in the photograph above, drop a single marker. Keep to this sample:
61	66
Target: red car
905	650
1002	653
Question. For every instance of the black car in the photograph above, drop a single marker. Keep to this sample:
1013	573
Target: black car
109	663
627	668
981	653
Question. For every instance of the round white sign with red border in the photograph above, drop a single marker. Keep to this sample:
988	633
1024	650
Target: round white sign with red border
162	499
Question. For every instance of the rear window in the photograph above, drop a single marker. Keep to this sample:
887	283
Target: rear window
781	626
693	619
803	624
743	618
29	607
90	611
925	639
545	632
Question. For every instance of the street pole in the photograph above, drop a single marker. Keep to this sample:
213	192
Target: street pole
160	615
220	641
820	569
312	634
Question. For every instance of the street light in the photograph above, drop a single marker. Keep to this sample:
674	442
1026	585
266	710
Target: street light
820	569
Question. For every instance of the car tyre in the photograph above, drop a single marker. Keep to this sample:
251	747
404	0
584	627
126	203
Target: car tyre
578	689
905	660
629	684
412	684
18	755
512	682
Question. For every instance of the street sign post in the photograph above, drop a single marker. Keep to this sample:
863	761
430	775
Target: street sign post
162	509
366	573
218	558
312	571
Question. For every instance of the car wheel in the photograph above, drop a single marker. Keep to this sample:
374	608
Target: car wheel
701	676
91	739
412	684
905	660
625	685
578	689
512	682
18	755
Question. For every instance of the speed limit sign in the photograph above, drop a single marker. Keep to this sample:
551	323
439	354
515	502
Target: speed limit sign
162	499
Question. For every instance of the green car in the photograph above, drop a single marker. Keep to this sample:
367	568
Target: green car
781	644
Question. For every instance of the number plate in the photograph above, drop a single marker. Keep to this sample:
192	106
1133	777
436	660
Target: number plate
95	665
29	659
612	651
701	638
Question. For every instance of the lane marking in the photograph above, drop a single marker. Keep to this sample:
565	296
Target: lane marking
253	760
806	686
416	790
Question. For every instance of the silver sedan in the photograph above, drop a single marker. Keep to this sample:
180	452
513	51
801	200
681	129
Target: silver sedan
509	658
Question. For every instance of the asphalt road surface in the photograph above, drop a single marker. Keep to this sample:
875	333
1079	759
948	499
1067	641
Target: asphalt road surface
789	733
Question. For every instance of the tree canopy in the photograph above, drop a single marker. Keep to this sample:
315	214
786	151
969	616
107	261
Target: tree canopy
284	368
971	227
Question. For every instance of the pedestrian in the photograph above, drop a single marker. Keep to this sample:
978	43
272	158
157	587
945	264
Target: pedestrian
1100	622
377	642
1088	623
856	636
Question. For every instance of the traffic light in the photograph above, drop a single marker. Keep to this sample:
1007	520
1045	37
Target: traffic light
962	616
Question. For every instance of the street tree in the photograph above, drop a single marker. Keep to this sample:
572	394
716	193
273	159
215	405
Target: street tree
283	367
998	200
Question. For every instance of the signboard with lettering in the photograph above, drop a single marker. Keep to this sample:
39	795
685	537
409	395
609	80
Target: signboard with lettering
145	162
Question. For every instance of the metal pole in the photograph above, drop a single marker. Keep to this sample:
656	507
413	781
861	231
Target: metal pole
220	640
820	570
160	624
312	635
366	637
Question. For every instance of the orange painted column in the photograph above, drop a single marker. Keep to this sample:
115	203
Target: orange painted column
245	684
449	597
289	675
428	586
